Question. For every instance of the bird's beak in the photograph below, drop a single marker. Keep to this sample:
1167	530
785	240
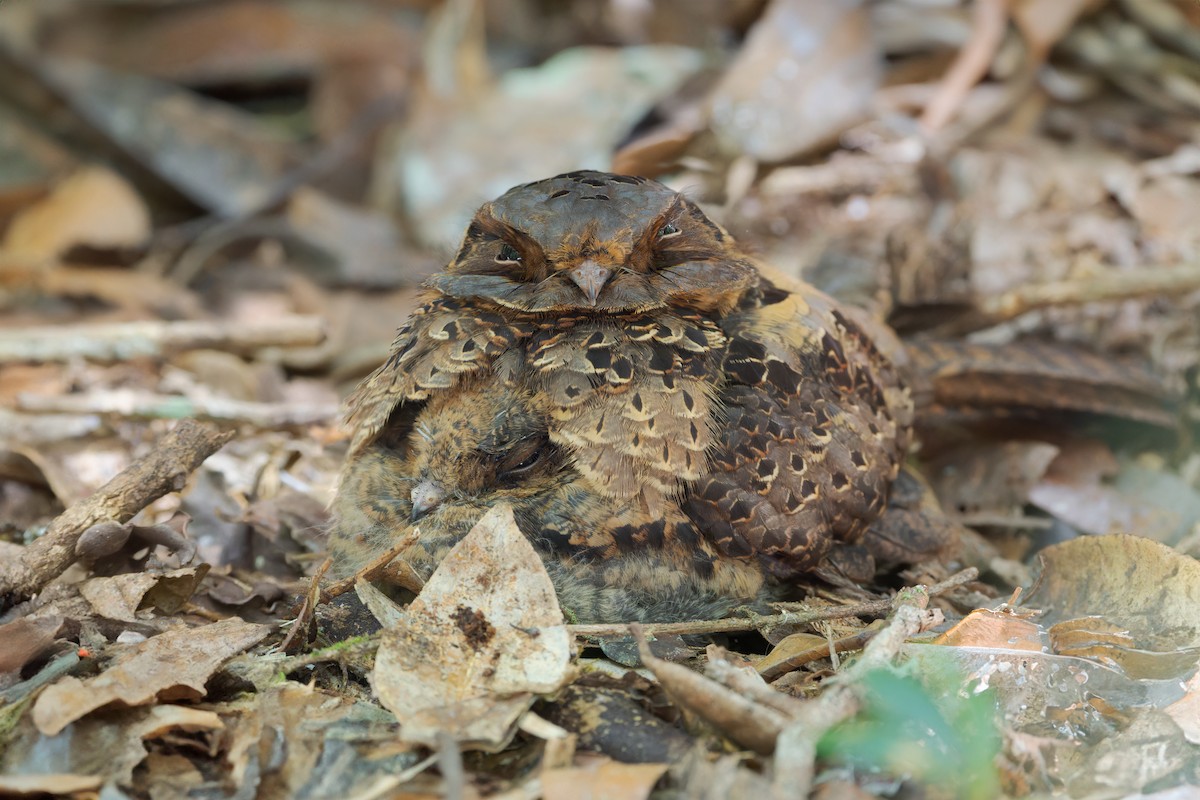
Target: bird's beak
590	277
426	496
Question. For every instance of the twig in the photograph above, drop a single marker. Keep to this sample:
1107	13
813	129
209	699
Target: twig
1094	288
796	749
317	595
844	645
747	683
123	340
746	722
450	764
987	32
845	174
302	620
764	621
984	519
372	571
148	405
165	469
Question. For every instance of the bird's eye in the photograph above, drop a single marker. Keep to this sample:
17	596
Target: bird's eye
525	464
508	255
667	230
522	458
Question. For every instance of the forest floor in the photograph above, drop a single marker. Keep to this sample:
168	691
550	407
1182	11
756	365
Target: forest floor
214	215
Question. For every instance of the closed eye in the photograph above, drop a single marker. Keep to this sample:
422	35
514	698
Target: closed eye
521	459
508	255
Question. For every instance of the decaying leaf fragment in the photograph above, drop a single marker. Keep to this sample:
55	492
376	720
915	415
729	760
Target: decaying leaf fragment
1149	589
121	596
483	637
171	666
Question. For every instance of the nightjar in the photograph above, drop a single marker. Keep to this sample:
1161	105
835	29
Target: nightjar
675	403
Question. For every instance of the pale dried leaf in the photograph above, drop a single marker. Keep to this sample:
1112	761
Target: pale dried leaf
94	207
806	73
485	634
575	107
1101	509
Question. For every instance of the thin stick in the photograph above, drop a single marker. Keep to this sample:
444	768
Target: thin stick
971	64
757	621
844	645
375	569
307	610
743	720
796	747
165	469
123	340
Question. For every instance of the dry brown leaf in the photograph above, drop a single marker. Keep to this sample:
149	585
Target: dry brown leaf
172	665
601	779
120	596
1112	644
789	647
223	158
94	207
483	636
1148	591
25	639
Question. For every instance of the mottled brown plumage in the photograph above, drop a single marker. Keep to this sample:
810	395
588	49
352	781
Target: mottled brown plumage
681	390
441	468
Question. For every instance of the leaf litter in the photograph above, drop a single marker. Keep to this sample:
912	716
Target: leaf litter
222	210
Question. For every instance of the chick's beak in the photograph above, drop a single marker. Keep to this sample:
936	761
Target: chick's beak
590	277
426	496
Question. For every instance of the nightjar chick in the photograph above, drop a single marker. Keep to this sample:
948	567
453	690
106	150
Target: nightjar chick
442	468
683	393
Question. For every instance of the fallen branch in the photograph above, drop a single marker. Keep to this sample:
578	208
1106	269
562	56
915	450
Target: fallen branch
148	405
123	340
165	469
1106	286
